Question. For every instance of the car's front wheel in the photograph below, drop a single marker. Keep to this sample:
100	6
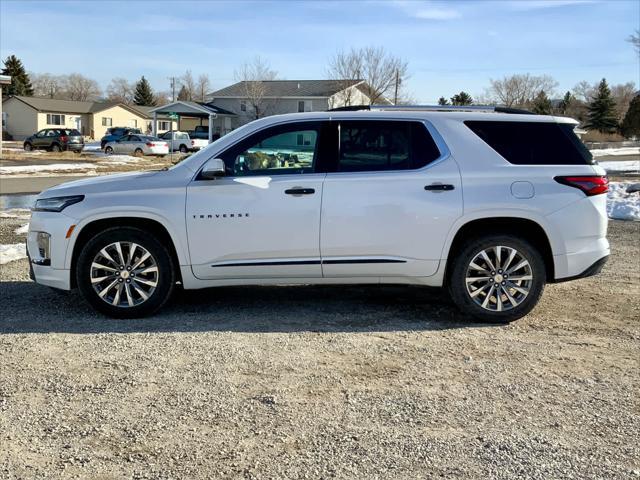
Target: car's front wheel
108	151
125	272
28	147
497	278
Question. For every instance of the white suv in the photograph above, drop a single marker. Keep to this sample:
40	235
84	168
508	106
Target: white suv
491	205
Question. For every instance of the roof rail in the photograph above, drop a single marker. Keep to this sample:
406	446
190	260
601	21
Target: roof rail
434	108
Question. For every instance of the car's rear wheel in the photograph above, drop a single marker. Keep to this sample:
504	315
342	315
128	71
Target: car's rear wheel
138	152
108	150
497	278
124	272
28	147
56	148
183	149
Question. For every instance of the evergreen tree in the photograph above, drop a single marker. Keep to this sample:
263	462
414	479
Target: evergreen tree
183	94
630	126
144	94
541	104
565	103
602	110
20	82
443	101
462	98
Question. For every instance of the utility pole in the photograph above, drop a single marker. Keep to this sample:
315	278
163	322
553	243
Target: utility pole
395	97
173	88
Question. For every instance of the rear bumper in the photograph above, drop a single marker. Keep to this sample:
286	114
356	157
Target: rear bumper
73	147
595	268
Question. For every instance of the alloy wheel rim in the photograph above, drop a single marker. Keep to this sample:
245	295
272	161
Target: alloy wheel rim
498	278
124	274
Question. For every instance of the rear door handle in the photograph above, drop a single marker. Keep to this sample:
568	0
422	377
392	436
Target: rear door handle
439	187
300	191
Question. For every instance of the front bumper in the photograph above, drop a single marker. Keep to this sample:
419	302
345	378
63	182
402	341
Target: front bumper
57	273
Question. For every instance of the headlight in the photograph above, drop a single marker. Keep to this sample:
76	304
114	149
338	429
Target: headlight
56	204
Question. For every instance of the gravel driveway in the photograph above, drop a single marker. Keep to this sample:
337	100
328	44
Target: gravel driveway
323	382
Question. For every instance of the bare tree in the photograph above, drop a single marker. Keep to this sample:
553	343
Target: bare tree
583	91
623	93
79	87
634	39
47	85
521	89
202	88
253	74
384	74
163	97
120	90
189	85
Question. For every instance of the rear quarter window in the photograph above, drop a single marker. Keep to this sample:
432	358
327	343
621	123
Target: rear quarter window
533	143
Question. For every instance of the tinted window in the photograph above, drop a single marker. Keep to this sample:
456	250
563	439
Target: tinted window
384	145
286	149
533	143
73	133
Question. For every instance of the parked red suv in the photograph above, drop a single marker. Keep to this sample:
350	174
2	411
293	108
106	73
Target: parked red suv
56	140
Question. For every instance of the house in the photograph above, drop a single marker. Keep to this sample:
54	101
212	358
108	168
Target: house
26	115
274	97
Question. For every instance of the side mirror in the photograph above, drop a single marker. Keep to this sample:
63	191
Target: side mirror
214	168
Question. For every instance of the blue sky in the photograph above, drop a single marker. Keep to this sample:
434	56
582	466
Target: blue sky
450	46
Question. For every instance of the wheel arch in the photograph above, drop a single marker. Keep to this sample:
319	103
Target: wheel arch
529	229
94	227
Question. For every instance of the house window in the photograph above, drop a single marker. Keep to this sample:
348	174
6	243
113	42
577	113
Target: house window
164	125
55	119
304	106
243	106
107	121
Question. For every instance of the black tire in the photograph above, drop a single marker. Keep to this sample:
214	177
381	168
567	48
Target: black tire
108	150
457	284
166	276
28	147
183	149
56	148
138	152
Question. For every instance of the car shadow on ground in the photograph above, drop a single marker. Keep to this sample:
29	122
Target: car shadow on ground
31	308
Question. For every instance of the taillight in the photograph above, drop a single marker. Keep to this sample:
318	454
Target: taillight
149	144
64	138
590	185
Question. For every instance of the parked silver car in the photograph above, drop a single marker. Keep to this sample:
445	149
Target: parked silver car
137	145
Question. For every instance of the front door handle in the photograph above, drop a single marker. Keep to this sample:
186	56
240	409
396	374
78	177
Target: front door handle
439	187
300	191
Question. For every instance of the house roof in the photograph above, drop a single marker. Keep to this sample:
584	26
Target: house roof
43	104
186	108
289	88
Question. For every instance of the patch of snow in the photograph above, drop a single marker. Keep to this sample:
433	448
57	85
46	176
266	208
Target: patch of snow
22	230
600	152
623	166
10	253
19	213
44	168
621	204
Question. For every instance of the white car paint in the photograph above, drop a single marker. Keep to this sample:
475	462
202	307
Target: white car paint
381	215
181	140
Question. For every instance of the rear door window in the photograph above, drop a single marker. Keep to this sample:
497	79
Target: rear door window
373	145
533	143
